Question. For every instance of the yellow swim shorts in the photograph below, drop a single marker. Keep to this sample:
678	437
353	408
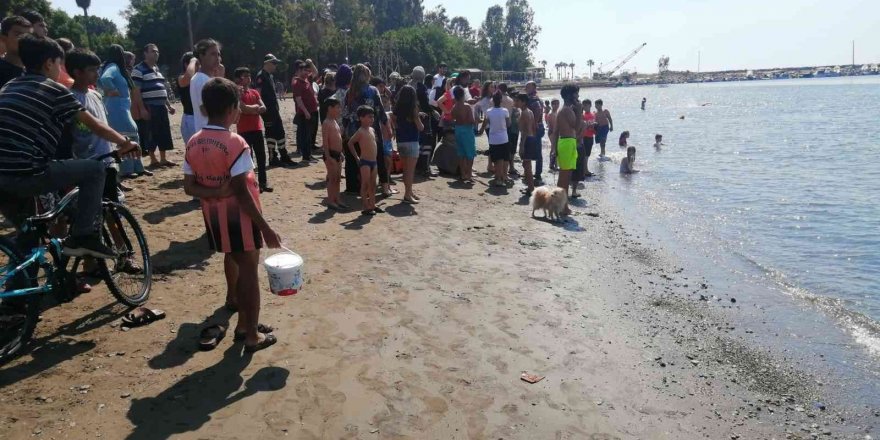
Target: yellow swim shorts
566	153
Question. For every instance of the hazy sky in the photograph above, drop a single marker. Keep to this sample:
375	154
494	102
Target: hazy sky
729	33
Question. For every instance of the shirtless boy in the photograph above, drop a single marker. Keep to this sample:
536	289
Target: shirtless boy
465	139
604	125
567	128
333	158
365	138
552	132
530	144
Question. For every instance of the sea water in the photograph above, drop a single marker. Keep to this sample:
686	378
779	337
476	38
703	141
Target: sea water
776	184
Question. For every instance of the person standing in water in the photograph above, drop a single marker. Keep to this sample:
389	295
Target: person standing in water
604	125
567	128
644	101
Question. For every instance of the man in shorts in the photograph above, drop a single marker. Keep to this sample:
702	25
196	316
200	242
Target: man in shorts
604	125
157	127
567	125
530	144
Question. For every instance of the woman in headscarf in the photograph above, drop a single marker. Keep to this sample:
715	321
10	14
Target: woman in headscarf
116	83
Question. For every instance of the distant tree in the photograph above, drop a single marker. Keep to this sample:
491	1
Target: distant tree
590	64
461	28
544	66
314	18
163	22
17	6
492	37
354	15
428	44
522	33
437	17
396	14
571	65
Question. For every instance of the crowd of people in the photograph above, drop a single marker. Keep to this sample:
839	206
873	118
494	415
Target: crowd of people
61	107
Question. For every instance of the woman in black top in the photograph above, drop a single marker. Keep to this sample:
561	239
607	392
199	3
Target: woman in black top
190	65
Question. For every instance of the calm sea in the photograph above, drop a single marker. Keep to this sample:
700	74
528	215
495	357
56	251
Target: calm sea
774	182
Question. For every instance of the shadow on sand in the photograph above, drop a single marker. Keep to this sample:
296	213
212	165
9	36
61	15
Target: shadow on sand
49	351
172	210
193	254
188	404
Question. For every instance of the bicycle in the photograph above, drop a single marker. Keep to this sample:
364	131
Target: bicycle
23	285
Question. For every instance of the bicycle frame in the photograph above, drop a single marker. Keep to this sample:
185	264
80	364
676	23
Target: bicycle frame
35	226
38	257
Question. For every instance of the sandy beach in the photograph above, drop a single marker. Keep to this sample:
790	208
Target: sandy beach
416	324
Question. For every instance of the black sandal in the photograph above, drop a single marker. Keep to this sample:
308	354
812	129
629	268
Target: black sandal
211	336
142	316
269	341
262	328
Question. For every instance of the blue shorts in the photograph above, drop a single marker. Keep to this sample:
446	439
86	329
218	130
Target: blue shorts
408	149
387	147
465	141
602	133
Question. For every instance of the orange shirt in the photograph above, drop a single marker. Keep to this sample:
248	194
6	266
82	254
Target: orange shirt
214	155
589	118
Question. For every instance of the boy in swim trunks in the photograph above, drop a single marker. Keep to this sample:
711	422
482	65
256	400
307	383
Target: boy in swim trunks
604	125
530	144
567	128
331	137
218	169
465	139
365	138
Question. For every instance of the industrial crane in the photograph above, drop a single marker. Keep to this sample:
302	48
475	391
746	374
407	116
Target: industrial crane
600	75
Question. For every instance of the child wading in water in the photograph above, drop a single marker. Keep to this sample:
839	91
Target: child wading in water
365	138
219	171
658	141
628	162
465	139
333	158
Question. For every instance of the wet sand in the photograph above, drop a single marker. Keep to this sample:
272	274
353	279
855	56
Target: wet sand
414	324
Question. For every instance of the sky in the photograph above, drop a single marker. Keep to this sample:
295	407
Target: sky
723	34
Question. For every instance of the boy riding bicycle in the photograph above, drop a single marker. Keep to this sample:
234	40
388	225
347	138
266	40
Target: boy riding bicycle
33	111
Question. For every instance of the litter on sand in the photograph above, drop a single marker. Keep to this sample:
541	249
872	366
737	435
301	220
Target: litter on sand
531	378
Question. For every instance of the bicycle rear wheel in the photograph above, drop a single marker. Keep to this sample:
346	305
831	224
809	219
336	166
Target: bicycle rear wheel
18	316
129	276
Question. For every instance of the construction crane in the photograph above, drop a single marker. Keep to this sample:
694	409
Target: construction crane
601	75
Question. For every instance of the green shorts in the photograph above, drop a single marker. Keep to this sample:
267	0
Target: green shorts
566	153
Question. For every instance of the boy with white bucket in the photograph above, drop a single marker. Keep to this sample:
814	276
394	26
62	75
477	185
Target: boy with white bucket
220	172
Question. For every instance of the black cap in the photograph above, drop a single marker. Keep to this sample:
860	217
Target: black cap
269	58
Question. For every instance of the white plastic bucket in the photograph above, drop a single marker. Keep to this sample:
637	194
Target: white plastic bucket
285	273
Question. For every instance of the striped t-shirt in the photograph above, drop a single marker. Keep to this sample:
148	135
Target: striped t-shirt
151	83
33	112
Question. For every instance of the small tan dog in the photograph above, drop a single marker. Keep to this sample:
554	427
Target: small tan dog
551	200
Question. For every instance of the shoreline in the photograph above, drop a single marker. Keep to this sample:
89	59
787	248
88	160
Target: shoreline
416	324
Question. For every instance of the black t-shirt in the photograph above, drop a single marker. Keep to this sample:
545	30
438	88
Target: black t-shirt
8	72
265	83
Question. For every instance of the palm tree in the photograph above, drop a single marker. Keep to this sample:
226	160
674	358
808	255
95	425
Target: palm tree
85	5
590	64
544	66
572	69
314	17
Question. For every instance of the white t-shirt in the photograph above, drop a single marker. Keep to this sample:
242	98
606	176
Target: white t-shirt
196	84
498	117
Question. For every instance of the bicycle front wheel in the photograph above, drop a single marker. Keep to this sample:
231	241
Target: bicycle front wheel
129	276
19	315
